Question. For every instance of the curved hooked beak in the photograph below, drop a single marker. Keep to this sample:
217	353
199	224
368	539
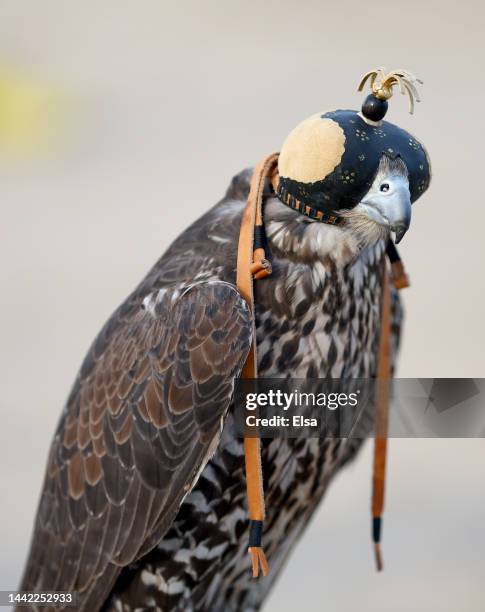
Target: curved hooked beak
391	208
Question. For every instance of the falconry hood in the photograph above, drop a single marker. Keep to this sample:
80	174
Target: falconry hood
328	162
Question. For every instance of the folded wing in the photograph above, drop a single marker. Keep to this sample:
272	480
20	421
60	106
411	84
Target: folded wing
139	426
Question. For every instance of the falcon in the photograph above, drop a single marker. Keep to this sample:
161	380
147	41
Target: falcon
143	505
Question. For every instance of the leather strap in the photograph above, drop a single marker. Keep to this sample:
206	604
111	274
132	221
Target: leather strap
381	417
254	263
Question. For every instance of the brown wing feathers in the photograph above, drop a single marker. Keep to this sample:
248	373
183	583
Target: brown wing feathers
138	425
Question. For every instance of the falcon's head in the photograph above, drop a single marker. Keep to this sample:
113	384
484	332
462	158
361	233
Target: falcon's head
385	207
353	170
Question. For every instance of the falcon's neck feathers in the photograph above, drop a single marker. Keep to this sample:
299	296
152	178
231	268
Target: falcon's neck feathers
293	236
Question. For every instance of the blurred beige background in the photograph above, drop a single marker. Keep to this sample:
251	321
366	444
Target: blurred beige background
121	122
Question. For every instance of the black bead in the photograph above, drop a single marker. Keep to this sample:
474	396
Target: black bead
373	108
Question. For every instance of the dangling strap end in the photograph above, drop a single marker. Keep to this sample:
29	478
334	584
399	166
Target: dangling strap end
376	537
378	556
258	558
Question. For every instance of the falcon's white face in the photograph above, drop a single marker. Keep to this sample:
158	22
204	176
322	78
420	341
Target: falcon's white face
387	204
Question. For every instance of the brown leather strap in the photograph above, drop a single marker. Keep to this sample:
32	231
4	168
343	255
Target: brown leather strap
384	373
381	416
255	263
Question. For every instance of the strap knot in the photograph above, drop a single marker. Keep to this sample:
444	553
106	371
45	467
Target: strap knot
261	269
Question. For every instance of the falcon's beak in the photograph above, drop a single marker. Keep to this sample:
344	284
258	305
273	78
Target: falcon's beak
389	204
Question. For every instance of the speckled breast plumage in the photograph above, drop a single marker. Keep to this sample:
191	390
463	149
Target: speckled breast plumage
324	325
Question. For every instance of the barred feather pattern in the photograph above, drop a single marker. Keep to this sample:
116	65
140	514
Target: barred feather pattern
315	317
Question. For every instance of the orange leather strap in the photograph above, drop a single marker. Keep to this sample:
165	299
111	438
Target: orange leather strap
254	263
384	374
381	416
